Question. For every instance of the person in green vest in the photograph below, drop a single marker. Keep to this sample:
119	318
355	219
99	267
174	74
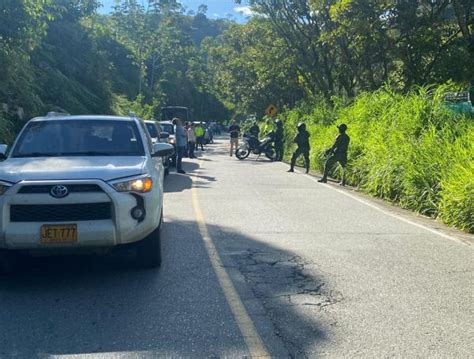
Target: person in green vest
267	127
199	131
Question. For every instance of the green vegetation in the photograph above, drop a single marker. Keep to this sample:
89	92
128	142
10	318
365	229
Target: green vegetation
408	149
63	56
379	66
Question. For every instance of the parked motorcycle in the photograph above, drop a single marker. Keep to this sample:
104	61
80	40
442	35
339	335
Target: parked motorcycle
251	144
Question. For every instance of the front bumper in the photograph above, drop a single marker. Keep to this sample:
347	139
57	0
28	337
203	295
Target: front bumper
119	229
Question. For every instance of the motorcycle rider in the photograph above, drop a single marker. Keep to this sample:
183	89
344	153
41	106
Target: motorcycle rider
302	140
279	140
338	153
255	130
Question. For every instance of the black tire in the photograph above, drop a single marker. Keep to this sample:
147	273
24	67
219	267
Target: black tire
149	249
270	153
242	153
167	171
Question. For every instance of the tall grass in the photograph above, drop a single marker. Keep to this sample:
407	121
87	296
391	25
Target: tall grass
408	149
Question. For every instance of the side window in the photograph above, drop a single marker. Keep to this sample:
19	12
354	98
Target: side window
148	138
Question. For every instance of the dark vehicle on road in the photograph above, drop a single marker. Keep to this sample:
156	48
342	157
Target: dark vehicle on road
252	145
170	112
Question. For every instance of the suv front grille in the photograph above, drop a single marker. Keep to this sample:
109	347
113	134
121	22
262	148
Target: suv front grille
73	188
61	212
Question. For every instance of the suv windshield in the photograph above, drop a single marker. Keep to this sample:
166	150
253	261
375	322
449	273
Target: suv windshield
57	138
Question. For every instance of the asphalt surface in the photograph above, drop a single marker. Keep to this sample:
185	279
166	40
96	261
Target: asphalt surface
319	273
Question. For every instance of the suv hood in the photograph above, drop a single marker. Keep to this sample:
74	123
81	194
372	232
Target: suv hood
14	170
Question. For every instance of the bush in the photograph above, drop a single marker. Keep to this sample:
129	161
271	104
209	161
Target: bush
408	149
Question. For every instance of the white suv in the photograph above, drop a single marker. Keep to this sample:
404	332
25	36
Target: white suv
75	182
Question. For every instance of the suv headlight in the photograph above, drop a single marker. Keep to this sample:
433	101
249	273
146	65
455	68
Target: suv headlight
142	184
4	186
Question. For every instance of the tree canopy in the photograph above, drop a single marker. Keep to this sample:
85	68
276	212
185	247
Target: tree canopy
146	54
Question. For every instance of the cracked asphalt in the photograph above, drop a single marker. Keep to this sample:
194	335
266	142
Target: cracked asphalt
319	273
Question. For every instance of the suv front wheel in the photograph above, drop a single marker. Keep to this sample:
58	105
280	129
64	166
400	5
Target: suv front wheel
149	249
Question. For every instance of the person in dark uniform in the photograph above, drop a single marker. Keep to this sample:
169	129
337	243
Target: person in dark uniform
255	130
279	140
338	153
302	140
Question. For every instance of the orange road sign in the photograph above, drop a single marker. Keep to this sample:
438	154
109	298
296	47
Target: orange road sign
271	111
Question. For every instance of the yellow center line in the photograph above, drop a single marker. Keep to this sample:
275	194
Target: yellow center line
251	337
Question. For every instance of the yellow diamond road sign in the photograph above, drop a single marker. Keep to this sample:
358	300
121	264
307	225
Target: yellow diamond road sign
271	111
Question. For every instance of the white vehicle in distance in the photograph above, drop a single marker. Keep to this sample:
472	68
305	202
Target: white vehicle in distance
158	135
74	183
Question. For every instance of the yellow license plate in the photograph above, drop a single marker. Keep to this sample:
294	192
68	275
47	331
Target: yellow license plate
59	234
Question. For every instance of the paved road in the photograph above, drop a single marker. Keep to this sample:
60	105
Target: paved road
256	261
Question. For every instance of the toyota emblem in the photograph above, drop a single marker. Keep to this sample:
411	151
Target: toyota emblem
59	191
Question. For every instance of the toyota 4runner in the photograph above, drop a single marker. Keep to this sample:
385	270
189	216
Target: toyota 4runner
75	182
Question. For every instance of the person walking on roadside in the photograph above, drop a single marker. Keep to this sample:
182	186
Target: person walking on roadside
279	140
180	136
255	130
186	148
302	140
338	153
234	131
199	131
191	141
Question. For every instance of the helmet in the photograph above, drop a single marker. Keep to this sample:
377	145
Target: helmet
342	127
301	126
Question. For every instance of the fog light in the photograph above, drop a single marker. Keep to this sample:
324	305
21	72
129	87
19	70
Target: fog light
138	213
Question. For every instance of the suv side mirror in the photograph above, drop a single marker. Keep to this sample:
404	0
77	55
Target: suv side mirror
162	150
164	135
3	151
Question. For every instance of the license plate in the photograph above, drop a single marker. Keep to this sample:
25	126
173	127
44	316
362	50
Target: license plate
59	234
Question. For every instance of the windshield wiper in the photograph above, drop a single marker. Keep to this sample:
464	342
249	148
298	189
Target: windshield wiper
87	153
36	154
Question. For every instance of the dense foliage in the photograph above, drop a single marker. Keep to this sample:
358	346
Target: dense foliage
63	56
365	62
409	149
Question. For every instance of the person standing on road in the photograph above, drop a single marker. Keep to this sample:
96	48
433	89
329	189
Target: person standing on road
255	130
234	131
186	148
199	130
209	135
279	140
338	153
180	136
302	140
191	141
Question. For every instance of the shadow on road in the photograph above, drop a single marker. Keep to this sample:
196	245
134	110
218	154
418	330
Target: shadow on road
92	304
177	183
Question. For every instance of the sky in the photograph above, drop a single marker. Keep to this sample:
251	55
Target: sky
216	8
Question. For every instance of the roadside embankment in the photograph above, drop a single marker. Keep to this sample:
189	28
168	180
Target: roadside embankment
408	149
